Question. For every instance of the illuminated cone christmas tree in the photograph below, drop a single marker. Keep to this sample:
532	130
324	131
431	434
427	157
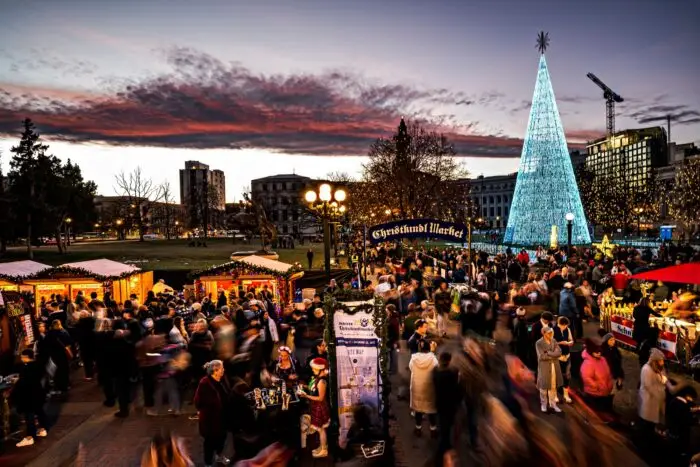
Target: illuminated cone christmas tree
546	189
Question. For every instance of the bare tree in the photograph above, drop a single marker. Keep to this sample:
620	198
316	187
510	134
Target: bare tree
165	194
414	174
139	193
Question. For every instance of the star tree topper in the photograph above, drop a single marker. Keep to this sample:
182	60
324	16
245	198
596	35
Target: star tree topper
542	41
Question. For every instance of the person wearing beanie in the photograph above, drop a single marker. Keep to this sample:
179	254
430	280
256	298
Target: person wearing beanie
652	391
597	378
549	376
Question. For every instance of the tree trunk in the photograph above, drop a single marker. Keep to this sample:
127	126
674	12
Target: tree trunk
30	253
59	241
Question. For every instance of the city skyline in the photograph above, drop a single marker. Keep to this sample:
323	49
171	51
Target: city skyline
267	88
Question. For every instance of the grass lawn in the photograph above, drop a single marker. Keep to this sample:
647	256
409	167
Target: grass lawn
160	254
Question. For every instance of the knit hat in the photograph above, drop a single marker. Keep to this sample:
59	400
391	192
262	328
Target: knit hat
319	364
607	337
655	355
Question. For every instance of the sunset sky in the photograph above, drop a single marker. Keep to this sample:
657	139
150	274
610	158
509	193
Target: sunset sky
262	87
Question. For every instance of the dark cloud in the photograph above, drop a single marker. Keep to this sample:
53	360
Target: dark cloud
657	110
575	99
206	103
44	60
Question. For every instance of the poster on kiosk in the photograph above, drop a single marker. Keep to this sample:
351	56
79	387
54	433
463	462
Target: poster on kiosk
357	358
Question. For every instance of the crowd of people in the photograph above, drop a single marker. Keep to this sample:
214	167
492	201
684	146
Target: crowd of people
520	323
520	319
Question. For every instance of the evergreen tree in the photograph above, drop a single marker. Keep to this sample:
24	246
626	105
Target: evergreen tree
23	173
46	192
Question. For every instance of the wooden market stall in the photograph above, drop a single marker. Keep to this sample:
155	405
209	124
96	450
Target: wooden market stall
678	322
99	275
13	274
251	272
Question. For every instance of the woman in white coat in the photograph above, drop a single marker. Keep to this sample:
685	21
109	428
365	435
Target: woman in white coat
652	390
421	366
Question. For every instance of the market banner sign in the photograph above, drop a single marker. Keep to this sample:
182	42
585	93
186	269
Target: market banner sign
357	366
418	228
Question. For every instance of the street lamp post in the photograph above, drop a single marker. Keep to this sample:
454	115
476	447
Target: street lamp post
327	204
68	221
569	229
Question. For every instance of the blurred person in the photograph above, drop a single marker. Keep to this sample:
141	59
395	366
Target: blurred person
149	361
29	397
275	455
178	334
211	401
431	318
680	417
549	377
85	328
59	346
171	378
422	389
447	399
597	378
565	339
652	391
443	304
201	347
166	451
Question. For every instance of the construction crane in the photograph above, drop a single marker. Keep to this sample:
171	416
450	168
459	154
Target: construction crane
611	97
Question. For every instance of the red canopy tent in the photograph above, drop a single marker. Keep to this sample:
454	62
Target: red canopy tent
687	273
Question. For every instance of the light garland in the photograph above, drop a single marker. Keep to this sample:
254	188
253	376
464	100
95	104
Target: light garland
546	188
52	273
241	268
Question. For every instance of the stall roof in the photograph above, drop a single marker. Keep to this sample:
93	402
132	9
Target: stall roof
21	269
257	264
262	262
687	273
104	267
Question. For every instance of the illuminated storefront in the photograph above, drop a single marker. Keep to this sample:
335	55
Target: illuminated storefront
249	273
100	276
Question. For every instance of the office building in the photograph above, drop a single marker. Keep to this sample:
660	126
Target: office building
203	194
282	197
491	197
629	158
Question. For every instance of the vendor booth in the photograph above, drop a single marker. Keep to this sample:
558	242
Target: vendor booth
99	275
251	272
678	322
13	274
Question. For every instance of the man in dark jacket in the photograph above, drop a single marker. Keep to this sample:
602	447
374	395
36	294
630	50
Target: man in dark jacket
29	398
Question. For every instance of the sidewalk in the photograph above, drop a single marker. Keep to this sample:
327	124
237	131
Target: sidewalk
106	441
412	451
